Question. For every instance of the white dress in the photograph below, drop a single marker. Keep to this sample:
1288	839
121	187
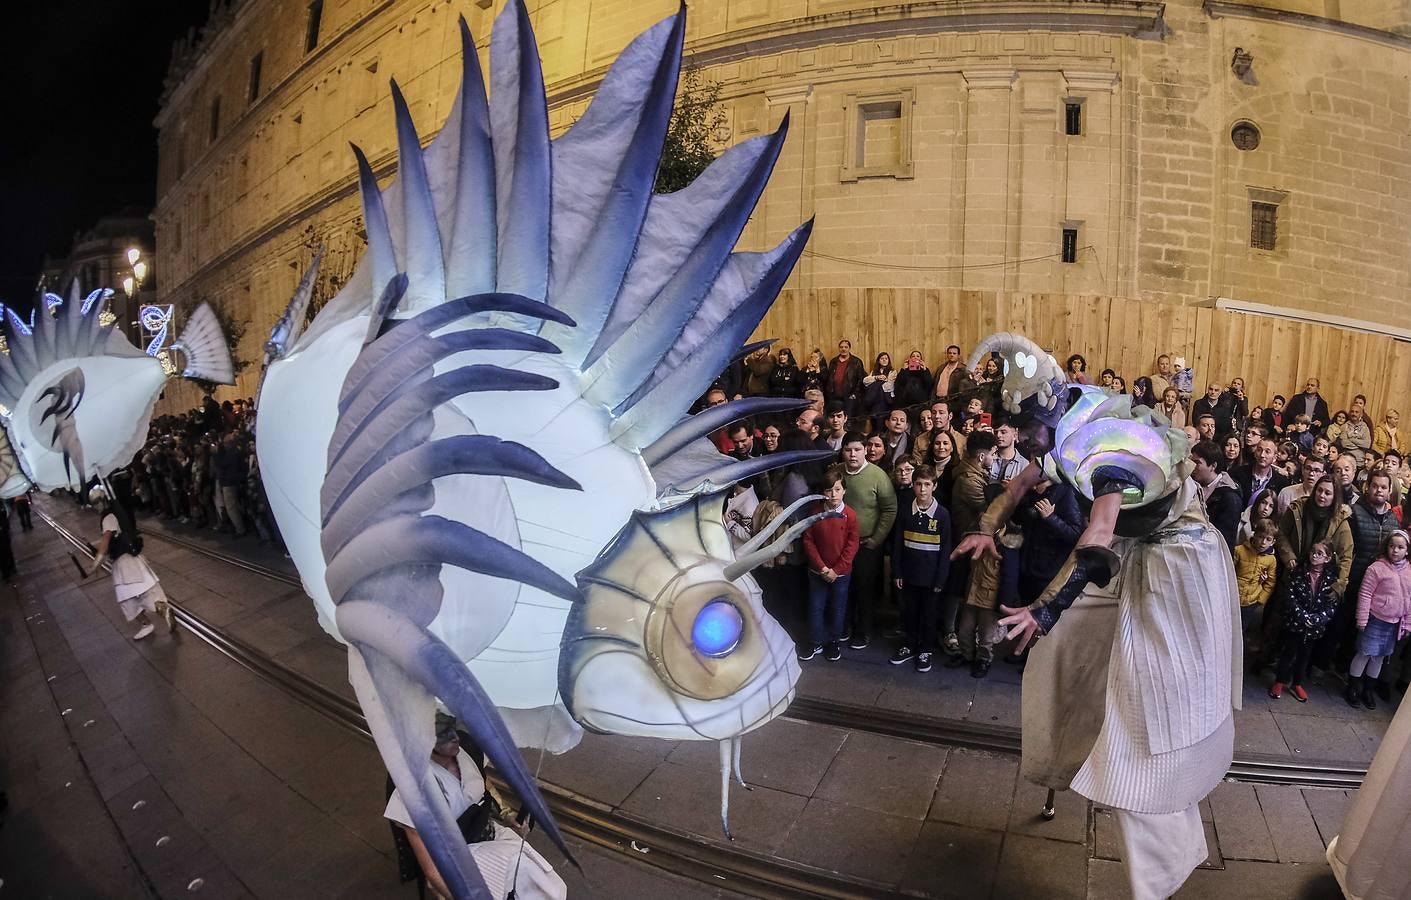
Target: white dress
1130	701
507	859
1371	856
134	582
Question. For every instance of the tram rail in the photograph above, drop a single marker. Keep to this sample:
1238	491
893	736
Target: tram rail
729	867
1250	767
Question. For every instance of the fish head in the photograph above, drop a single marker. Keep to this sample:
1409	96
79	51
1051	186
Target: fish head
664	643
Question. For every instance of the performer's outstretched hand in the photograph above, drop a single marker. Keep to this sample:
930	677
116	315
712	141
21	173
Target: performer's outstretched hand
1021	624
977	545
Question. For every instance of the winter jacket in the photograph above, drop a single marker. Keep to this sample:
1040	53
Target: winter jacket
968	501
758	371
1222	410
1255	572
958	380
1298	405
1223	505
1369	534
1243	477
786	381
913	388
1289	547
1310	605
1356	439
1382	441
1048	541
853	373
921	545
832	543
1386	594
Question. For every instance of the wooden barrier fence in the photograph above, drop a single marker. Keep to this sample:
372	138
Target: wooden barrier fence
1272	355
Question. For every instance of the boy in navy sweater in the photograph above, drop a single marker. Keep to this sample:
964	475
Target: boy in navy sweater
921	545
831	546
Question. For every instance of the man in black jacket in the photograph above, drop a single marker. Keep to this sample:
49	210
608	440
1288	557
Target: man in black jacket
1222	499
1218	404
1311	403
842	381
1372	522
1259	474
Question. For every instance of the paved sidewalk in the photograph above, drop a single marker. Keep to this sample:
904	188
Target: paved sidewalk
906	817
160	768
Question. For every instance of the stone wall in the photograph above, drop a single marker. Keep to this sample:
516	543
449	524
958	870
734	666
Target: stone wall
928	139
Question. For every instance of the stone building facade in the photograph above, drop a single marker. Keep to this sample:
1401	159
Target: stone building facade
99	258
1172	152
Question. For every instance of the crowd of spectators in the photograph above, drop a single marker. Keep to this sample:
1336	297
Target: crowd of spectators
1309	497
199	468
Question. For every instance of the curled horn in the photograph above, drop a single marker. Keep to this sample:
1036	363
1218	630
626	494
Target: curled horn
1005	342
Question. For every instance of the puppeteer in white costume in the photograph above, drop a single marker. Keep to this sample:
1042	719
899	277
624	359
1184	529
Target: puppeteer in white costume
1129	697
1371	855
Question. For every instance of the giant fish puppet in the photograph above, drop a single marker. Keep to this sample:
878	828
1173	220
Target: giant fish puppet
76	396
478	451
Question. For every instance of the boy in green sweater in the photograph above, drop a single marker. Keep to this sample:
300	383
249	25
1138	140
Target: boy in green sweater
870	494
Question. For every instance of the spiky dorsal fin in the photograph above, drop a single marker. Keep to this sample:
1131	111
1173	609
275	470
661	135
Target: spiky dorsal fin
290	325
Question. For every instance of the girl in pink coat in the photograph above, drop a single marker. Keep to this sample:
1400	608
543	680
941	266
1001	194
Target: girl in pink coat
1383	614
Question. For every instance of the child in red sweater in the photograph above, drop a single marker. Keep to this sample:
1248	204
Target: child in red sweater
830	545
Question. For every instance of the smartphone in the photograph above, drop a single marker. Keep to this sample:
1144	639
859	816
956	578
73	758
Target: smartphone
984	418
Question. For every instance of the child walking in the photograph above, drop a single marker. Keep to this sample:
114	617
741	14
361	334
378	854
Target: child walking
920	563
1256	570
831	546
1383	617
1311	604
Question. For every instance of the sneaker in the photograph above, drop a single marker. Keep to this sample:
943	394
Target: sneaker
923	662
860	642
1276	691
809	652
144	631
952	644
1299	693
980	669
847	636
834	652
902	655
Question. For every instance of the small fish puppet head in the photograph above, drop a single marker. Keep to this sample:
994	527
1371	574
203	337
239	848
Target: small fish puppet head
76	396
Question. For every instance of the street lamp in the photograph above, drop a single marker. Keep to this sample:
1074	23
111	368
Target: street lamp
132	283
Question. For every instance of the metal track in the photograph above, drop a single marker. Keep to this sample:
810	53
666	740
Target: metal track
681	854
1258	768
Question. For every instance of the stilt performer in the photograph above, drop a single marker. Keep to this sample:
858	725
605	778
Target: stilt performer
1129	696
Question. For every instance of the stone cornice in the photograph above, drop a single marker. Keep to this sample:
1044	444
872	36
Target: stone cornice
897	20
1224	9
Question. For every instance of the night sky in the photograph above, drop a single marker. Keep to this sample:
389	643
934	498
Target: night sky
78	142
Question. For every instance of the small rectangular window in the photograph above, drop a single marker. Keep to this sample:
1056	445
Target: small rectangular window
257	63
215	118
311	32
1070	245
1263	225
1072	117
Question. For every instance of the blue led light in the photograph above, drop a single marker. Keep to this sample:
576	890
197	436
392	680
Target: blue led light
718	628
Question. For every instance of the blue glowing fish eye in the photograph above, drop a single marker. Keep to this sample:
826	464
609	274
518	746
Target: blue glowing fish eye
718	628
